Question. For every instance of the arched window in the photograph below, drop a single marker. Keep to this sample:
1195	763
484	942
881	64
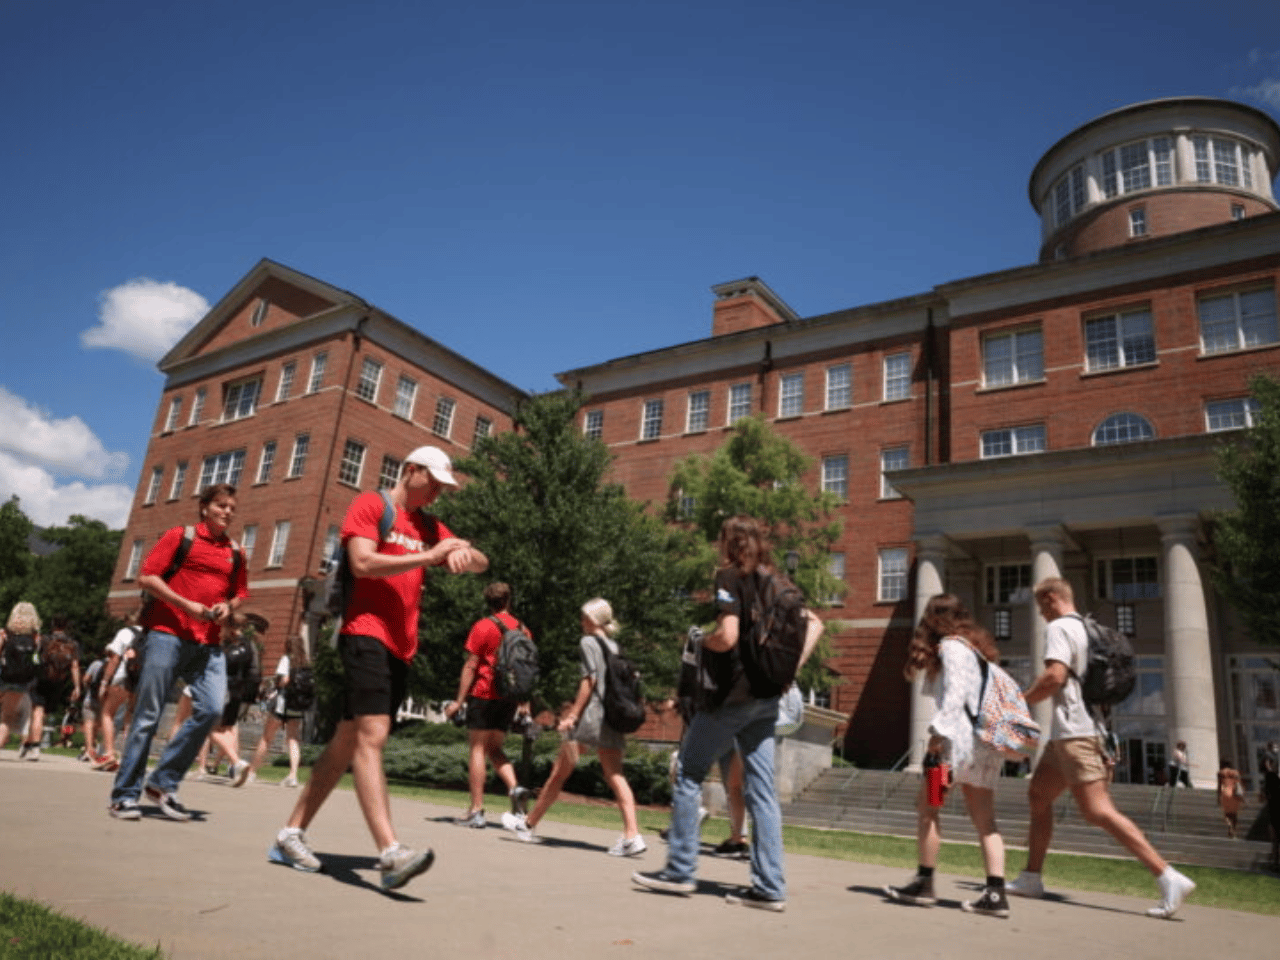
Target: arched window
1122	428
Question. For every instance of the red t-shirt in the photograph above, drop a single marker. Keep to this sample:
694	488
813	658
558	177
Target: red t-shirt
387	607
205	577
484	640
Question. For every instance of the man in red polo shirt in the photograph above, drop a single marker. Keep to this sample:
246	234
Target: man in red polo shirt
377	640
183	625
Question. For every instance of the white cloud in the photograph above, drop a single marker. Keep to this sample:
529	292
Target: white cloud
1265	92
144	318
65	446
48	503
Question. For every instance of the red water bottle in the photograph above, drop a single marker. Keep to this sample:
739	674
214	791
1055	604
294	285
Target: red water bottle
937	777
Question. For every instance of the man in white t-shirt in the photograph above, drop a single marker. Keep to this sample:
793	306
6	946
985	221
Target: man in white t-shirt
1074	757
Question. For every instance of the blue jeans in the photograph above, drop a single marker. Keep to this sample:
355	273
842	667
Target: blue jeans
166	658
710	735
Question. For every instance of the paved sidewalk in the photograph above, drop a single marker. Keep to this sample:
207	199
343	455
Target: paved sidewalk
204	889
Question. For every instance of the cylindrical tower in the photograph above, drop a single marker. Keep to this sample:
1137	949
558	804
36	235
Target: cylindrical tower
1152	169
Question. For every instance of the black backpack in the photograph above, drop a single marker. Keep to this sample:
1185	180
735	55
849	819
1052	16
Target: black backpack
19	659
622	698
515	668
300	692
243	677
180	557
778	635
1110	668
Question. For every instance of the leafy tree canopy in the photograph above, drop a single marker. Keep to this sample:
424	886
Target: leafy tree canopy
1246	566
538	503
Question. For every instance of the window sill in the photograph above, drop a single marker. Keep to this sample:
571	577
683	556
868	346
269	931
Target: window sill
1020	385
784	417
1238	351
844	409
1112	371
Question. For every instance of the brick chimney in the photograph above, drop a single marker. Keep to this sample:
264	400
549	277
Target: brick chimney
745	305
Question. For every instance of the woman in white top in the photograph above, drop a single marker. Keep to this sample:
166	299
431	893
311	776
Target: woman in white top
945	652
115	690
278	714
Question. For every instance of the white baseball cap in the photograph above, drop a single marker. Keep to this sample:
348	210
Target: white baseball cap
436	461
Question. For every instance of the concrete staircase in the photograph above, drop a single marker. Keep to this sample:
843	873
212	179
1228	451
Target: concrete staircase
1184	825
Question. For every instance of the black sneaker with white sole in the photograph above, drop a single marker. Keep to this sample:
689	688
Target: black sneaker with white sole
991	903
751	897
918	893
125	810
663	882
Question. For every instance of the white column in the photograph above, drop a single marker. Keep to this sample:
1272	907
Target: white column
1048	546
931	572
1188	657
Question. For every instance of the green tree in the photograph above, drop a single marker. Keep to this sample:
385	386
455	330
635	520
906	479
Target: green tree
73	580
15	555
538	504
760	473
1246	567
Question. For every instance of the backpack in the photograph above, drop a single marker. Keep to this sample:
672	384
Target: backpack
780	627
20	659
180	557
1003	720
623	702
300	692
340	581
242	670
1110	669
59	653
515	667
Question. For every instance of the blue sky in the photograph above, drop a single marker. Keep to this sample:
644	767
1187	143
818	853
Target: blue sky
539	186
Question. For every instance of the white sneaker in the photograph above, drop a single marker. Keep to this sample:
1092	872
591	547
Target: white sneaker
1174	888
1026	884
239	773
289	782
291	850
628	848
399	864
516	823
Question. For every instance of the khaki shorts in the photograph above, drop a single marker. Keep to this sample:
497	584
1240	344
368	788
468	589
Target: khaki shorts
1070	763
983	768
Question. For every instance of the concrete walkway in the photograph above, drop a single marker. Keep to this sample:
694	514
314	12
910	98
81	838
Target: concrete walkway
205	890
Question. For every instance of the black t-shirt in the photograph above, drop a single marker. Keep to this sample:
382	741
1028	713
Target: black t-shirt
735	673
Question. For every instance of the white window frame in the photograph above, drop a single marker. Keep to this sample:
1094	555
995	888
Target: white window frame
1250	323
836	567
1138	165
406	397
332	542
259	312
893	566
1138	222
739	402
197	407
1238	413
298	458
135	560
442	422
698	416
790	395
1069	195
389	472
1013	441
241	399
839	386
370	379
1222	160
351	466
266	460
279	543
897	376
248	540
835	475
651	420
175	411
1141	578
1006	583
179	479
1012	357
1123	339
223	467
593	425
285	386
892	458
153	485
484	427
1123	427
319	364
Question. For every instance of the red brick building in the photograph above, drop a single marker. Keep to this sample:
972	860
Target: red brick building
301	395
1053	419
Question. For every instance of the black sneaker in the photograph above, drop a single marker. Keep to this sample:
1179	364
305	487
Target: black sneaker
919	892
169	804
751	897
991	903
125	810
663	882
733	849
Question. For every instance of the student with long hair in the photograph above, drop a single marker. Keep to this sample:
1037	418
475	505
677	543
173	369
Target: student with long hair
280	715
944	651
22	631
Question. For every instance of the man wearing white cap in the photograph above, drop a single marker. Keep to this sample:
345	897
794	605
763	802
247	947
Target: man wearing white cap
377	640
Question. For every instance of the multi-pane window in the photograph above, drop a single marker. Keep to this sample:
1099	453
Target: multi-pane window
791	395
279	543
1008	583
1222	160
839	386
370	378
897	376
835	566
1126	619
1069	195
1002	623
259	312
318	364
1125	579
686	505
1231	414
895	458
1122	428
442	422
197	408
1237	211
171	419
287	373
651	423
484	427
1120	340
332	543
298	462
739	402
1009	358
179	478
835	475
406	394
892	582
1233	321
1138	222
241	399
153	486
1013	441
135	560
352	463
699	411
266	461
1137	166
222	468
389	472
593	425
249	540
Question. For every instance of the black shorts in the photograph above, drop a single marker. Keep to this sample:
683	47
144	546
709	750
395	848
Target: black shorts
44	692
490	714
230	713
374	678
